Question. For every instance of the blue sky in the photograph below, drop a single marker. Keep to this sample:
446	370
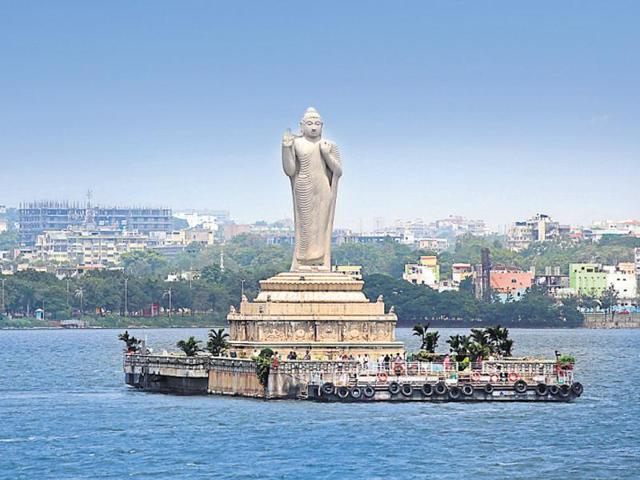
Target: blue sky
494	110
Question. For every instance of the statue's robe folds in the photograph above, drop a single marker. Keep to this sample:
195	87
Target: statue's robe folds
314	188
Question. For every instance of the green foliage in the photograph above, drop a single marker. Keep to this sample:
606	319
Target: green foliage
144	263
263	365
417	303
8	240
608	299
566	360
131	342
481	343
429	339
217	343
190	346
386	257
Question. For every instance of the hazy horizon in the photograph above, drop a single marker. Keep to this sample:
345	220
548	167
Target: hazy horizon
495	111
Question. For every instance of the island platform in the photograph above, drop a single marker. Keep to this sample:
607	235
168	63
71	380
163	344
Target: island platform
513	379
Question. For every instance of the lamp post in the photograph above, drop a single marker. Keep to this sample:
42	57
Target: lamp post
126	295
168	293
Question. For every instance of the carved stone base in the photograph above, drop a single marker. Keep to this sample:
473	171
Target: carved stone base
324	313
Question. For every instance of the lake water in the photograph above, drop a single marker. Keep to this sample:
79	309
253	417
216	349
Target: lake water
65	413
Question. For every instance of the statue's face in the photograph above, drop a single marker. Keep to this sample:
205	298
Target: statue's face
311	127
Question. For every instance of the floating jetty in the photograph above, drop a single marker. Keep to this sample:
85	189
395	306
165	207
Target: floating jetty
513	379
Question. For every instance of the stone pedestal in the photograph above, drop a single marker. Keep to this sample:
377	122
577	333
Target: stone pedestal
325	313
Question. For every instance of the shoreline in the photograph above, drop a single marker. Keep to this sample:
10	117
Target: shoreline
175	327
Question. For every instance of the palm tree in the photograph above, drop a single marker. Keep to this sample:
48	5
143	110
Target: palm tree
217	343
506	346
499	340
429	340
190	346
132	342
79	294
460	345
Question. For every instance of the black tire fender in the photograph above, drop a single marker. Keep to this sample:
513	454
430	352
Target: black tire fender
327	388
342	392
577	388
368	391
427	389
407	390
454	393
542	389
520	386
394	388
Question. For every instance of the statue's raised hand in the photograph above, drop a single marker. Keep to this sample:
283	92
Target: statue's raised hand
325	147
287	138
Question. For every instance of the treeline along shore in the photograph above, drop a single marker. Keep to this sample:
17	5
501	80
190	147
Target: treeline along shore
200	293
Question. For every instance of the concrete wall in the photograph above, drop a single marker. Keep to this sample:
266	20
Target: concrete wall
234	377
600	320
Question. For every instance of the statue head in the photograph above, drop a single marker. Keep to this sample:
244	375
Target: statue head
311	124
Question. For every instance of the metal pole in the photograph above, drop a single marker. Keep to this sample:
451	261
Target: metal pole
241	288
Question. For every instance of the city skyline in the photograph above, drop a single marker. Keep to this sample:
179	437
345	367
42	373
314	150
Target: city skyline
369	224
436	109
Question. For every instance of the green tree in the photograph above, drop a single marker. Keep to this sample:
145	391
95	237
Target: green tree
190	346
429	340
608	300
217	343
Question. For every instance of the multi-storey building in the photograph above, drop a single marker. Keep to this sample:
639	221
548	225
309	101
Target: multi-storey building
587	279
554	282
509	283
37	217
425	272
540	228
623	281
100	247
460	272
434	244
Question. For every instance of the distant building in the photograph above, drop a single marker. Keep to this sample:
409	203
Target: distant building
38	217
555	284
434	244
540	228
611	227
205	219
623	281
354	271
637	261
460	272
92	248
367	238
510	283
425	272
587	279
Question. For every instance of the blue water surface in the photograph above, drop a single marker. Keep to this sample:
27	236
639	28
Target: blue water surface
65	413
